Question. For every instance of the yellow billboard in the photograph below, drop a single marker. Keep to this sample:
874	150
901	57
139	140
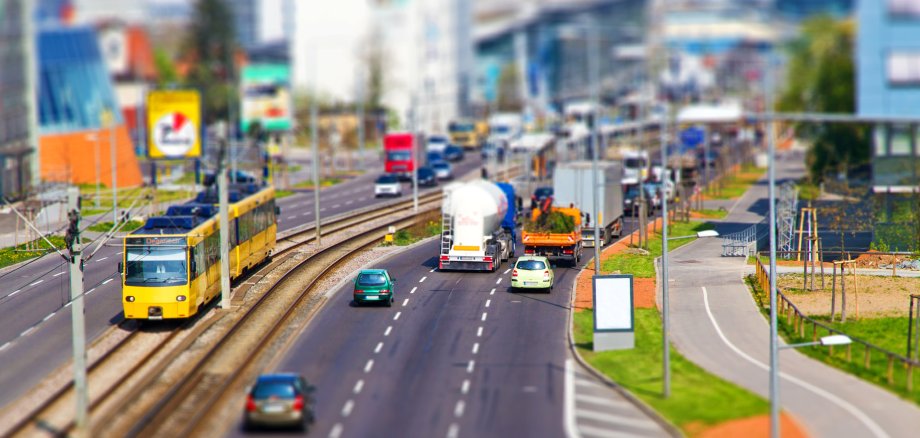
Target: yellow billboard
173	124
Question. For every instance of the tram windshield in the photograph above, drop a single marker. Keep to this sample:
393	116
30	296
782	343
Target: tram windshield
156	266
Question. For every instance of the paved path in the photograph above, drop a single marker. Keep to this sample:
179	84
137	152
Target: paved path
716	324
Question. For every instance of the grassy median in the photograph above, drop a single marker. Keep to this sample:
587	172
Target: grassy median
642	265
26	251
734	185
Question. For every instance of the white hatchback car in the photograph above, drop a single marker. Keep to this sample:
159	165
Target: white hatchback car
387	185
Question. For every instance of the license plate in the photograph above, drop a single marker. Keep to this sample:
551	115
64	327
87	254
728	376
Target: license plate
467	258
530	283
273	409
371	298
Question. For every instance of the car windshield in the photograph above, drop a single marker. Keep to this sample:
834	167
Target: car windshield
531	265
434	156
501	129
399	155
543	192
441	166
425	172
632	192
437	140
461	127
156	266
372	280
387	179
273	389
634	163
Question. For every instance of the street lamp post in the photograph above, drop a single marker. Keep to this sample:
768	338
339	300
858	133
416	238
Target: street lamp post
771	197
665	301
595	147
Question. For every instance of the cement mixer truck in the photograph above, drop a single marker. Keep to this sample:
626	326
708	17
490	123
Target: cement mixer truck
478	220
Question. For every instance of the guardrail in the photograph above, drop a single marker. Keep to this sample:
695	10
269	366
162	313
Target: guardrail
740	244
798	322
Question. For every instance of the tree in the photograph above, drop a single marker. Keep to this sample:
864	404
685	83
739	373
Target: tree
211	44
821	78
166	69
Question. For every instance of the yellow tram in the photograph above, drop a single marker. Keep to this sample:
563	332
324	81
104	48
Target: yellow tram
171	266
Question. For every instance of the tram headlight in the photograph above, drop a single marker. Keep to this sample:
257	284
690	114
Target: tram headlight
180	298
129	299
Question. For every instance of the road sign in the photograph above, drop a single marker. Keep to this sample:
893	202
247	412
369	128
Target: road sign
174	120
692	136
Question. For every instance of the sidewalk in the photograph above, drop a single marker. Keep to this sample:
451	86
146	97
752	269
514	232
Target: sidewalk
715	323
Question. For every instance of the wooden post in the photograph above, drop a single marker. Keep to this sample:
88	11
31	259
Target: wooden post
833	289
866	360
910	377
849	352
890	369
855	288
814	331
843	294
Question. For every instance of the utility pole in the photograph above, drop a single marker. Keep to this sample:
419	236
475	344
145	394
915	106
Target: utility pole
109	118
665	300
224	213
360	107
314	141
595	146
413	126
77	308
774	339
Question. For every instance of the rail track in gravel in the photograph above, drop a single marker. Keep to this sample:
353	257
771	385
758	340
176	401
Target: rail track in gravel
54	415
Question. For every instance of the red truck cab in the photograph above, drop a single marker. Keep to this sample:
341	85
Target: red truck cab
401	154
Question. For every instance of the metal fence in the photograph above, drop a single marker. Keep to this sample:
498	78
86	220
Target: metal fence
740	244
799	322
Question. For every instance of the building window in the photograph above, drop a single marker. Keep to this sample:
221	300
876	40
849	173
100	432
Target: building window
904	9
900	139
903	68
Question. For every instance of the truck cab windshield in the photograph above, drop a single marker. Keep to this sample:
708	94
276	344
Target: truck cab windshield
156	266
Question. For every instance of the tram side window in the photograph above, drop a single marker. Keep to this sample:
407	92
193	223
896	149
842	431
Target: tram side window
199	256
212	249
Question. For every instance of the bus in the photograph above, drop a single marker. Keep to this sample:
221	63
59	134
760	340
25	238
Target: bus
171	266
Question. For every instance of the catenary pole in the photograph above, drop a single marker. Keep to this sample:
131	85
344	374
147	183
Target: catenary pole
665	300
77	314
113	148
595	147
314	144
774	340
224	213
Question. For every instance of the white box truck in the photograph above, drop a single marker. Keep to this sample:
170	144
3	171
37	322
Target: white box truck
572	186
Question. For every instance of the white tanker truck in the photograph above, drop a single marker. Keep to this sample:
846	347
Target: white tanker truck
477	226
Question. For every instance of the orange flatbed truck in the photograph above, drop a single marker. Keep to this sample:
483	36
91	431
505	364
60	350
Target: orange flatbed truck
555	246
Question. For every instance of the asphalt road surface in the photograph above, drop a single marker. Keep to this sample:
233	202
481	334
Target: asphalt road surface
35	333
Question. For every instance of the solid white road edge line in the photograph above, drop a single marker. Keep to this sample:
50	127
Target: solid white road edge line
845	405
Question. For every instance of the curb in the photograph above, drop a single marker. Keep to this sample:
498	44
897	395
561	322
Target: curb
669	427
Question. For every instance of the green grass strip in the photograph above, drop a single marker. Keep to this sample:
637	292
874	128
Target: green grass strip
12	255
643	266
698	399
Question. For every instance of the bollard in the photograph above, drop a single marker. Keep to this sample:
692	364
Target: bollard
849	353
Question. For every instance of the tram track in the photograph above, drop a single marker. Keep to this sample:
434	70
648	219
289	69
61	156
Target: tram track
54	415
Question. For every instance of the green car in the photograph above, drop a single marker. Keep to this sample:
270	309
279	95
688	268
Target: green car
374	286
532	272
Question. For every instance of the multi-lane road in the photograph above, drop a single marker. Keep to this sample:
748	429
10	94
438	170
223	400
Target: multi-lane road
35	336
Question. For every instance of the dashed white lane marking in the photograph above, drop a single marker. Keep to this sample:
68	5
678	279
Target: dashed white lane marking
58	274
336	205
484	315
37	282
507	270
5	346
568	406
48	317
378	347
470	366
422	279
346	410
108	281
479	332
853	410
498	281
27	331
322	209
305	214
336	431
405	301
432	269
465	387
362	199
396	316
291	217
476	348
387	332
458	409
369	365
350	202
15	292
413	290
453	431
120	252
616	419
104	258
492	292
488	302
358	387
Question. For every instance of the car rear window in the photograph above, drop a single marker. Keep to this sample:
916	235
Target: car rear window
372	280
440	166
531	265
274	389
425	172
545	191
386	179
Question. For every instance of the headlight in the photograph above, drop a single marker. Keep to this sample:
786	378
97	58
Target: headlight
180	298
129	299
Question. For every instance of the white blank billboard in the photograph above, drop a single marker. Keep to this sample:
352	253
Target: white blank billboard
613	303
